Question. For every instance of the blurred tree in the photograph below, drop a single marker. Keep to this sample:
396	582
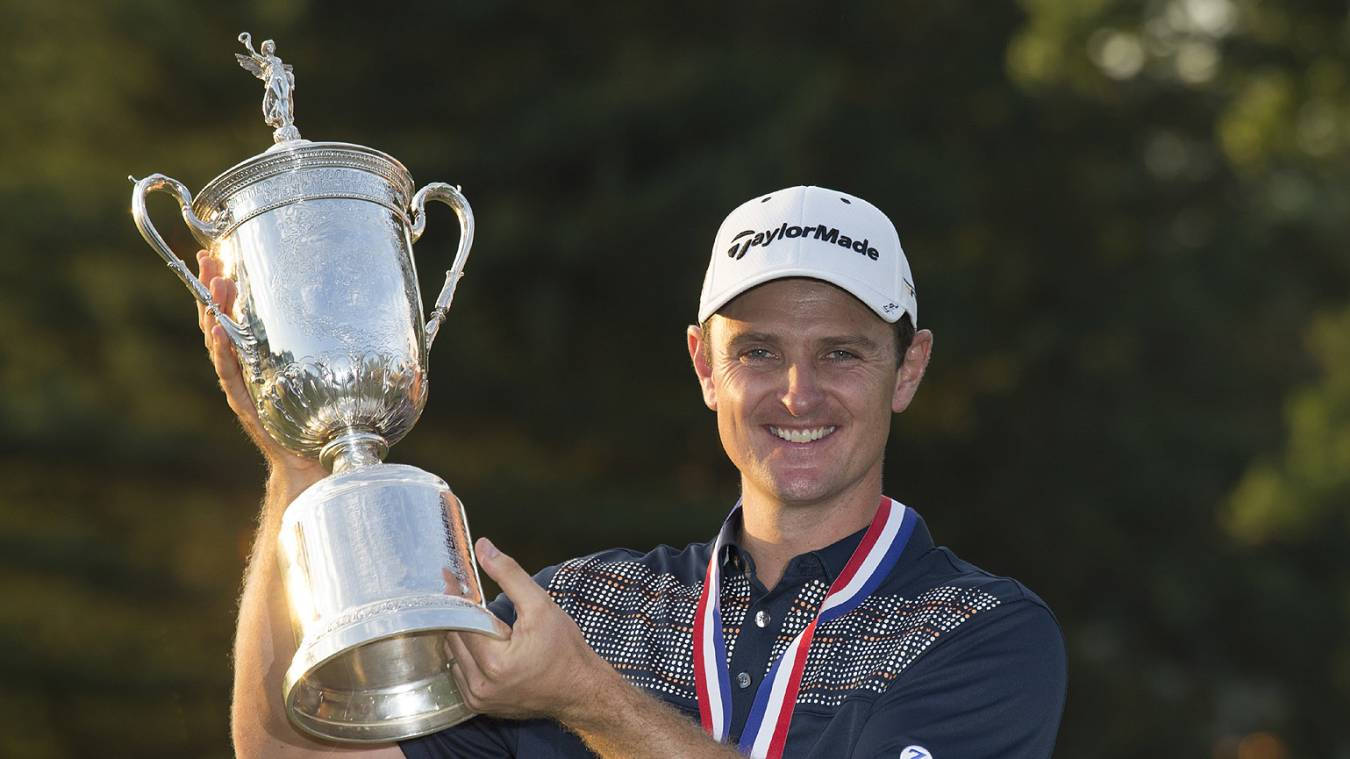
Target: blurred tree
1240	115
1305	492
1126	221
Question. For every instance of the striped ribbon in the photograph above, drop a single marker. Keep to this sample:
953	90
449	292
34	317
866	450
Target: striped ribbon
765	733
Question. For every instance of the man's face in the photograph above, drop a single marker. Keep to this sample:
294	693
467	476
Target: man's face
804	379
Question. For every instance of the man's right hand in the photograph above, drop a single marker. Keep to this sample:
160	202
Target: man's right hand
280	461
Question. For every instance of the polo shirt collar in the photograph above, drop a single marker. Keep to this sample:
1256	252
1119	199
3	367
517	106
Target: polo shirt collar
832	558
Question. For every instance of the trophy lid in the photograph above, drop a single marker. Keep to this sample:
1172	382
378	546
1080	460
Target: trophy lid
298	156
290	152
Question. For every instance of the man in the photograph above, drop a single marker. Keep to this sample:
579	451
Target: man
821	622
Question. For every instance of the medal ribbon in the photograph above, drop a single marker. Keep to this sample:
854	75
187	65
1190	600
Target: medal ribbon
766	729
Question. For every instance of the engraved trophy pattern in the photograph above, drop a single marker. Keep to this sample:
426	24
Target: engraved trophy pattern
328	329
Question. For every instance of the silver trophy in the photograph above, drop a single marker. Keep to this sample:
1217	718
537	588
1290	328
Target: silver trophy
328	328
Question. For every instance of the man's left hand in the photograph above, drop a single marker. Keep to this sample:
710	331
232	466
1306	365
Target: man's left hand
543	668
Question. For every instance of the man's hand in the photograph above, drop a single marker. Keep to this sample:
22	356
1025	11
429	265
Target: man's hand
546	669
543	668
223	292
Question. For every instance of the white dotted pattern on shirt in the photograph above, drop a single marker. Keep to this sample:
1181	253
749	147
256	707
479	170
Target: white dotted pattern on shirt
642	622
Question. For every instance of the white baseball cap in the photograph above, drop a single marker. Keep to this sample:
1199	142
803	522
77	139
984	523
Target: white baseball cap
811	232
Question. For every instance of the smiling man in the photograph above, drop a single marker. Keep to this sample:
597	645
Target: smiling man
821	621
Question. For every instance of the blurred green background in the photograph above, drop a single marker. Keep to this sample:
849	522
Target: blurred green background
1127	222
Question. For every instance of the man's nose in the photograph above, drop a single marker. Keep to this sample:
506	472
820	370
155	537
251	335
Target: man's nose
803	392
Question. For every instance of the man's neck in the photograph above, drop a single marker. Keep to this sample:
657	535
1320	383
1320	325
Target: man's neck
774	532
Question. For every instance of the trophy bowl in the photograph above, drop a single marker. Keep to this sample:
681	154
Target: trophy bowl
327	325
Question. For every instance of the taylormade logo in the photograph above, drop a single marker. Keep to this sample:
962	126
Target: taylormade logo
820	232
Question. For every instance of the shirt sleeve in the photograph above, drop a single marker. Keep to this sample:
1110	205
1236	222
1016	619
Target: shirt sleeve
995	689
479	738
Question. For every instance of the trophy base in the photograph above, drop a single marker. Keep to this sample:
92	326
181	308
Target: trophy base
378	566
381	691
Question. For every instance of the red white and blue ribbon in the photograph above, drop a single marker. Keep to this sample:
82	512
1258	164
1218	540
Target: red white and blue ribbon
766	729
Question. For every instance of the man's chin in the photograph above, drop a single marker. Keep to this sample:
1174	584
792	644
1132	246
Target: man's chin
799	491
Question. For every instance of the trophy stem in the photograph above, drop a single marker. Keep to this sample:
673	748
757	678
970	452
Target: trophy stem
353	449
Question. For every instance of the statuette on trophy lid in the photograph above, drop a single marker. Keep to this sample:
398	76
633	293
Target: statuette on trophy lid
329	330
278	105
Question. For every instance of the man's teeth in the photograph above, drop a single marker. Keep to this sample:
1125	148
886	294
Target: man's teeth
801	436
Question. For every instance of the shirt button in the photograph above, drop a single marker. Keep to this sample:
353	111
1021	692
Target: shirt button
761	618
743	680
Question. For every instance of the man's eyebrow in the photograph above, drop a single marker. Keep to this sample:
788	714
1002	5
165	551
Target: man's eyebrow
856	341
861	341
753	337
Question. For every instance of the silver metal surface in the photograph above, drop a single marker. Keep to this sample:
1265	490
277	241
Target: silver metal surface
244	344
327	321
327	324
378	563
279	98
444	193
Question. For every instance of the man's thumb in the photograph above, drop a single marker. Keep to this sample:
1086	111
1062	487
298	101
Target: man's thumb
515	582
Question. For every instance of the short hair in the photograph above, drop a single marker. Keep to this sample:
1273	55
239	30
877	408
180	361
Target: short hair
903	331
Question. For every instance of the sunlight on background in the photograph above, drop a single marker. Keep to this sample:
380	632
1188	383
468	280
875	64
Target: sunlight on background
1252	746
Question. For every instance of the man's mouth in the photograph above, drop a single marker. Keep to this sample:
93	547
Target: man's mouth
808	435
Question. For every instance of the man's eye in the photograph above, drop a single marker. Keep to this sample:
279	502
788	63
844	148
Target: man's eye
757	354
839	354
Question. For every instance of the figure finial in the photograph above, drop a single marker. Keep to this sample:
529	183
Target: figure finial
279	91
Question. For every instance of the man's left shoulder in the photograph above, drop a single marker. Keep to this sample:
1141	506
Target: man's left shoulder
940	611
944	569
969	600
978	629
963	663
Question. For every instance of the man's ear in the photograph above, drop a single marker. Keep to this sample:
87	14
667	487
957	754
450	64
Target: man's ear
702	369
910	373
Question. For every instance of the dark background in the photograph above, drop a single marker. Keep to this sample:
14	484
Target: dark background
1126	222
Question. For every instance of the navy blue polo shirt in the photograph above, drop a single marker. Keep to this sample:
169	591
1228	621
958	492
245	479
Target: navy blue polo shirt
942	660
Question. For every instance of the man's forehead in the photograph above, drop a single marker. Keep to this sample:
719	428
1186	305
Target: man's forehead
807	298
798	308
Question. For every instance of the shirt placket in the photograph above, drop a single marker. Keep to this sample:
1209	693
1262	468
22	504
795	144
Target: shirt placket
759	634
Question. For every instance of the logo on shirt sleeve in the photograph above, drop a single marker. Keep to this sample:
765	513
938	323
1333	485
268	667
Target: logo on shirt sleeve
915	752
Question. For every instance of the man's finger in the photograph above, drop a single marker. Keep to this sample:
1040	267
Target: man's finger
228	292
213	287
462	654
460	662
231	379
203	273
515	582
222	292
464	667
208	266
227	367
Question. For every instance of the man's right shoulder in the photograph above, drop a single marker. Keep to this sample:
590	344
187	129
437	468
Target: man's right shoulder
687	564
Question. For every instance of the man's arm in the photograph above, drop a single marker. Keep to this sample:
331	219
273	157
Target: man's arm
264	645
264	642
545	668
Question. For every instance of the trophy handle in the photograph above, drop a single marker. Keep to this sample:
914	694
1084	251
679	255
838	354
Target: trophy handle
450	196
244	343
